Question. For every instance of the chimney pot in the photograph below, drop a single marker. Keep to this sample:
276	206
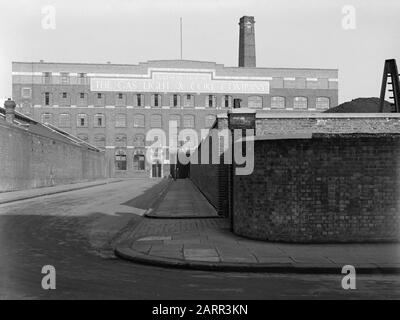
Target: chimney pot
9	105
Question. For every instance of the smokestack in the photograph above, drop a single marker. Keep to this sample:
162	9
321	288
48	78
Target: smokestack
247	43
9	105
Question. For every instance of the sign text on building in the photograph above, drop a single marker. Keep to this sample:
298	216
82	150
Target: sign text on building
181	82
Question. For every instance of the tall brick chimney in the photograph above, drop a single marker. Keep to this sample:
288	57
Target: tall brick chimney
9	105
247	43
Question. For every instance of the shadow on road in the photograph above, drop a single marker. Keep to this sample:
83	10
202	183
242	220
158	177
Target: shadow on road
149	197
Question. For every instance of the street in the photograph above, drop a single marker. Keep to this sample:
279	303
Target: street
74	231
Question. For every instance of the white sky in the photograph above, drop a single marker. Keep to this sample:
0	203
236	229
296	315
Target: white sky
289	33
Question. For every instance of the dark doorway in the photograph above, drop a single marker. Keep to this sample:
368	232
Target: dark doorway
156	170
180	170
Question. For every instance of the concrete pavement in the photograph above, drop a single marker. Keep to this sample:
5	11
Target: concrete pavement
11	196
182	200
208	244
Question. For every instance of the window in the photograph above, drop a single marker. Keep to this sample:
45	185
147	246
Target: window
211	101
82	95
99	120
156	100
26	92
47	98
138	162
64	77
176	118
138	121
254	102
81	78
227	101
99	140
83	136
47	77
64	120
120	96
188	121
156	121
278	102
120	140
209	120
82	121
120	120
189	100
120	159
176	100
322	103
64	95
138	140
139	100
46	118
99	96
300	103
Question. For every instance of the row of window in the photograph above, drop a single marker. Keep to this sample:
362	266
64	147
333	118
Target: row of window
139	100
277	102
139	120
47	78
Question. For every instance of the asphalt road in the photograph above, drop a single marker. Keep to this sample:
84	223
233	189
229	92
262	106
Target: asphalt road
74	232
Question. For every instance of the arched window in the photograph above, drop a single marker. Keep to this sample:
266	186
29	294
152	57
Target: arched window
300	103
156	121
139	160
278	102
99	120
46	118
82	120
138	121
322	103
120	120
176	118
83	136
139	140
188	121
64	120
120	159
99	140
209	120
120	140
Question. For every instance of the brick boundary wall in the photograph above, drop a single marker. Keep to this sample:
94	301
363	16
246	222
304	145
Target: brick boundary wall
29	160
331	188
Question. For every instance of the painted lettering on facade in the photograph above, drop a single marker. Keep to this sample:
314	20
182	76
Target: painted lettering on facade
182	83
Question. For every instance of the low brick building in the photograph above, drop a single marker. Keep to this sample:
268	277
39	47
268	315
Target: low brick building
316	178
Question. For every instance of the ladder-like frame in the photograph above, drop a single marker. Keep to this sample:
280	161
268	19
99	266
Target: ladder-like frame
390	71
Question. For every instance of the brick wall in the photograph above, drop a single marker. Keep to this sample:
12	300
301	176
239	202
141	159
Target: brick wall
29	160
331	188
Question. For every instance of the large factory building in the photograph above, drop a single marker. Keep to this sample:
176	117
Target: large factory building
113	106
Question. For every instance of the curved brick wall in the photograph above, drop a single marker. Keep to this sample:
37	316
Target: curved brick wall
331	188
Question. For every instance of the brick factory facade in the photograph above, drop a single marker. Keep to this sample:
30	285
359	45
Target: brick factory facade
113	106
